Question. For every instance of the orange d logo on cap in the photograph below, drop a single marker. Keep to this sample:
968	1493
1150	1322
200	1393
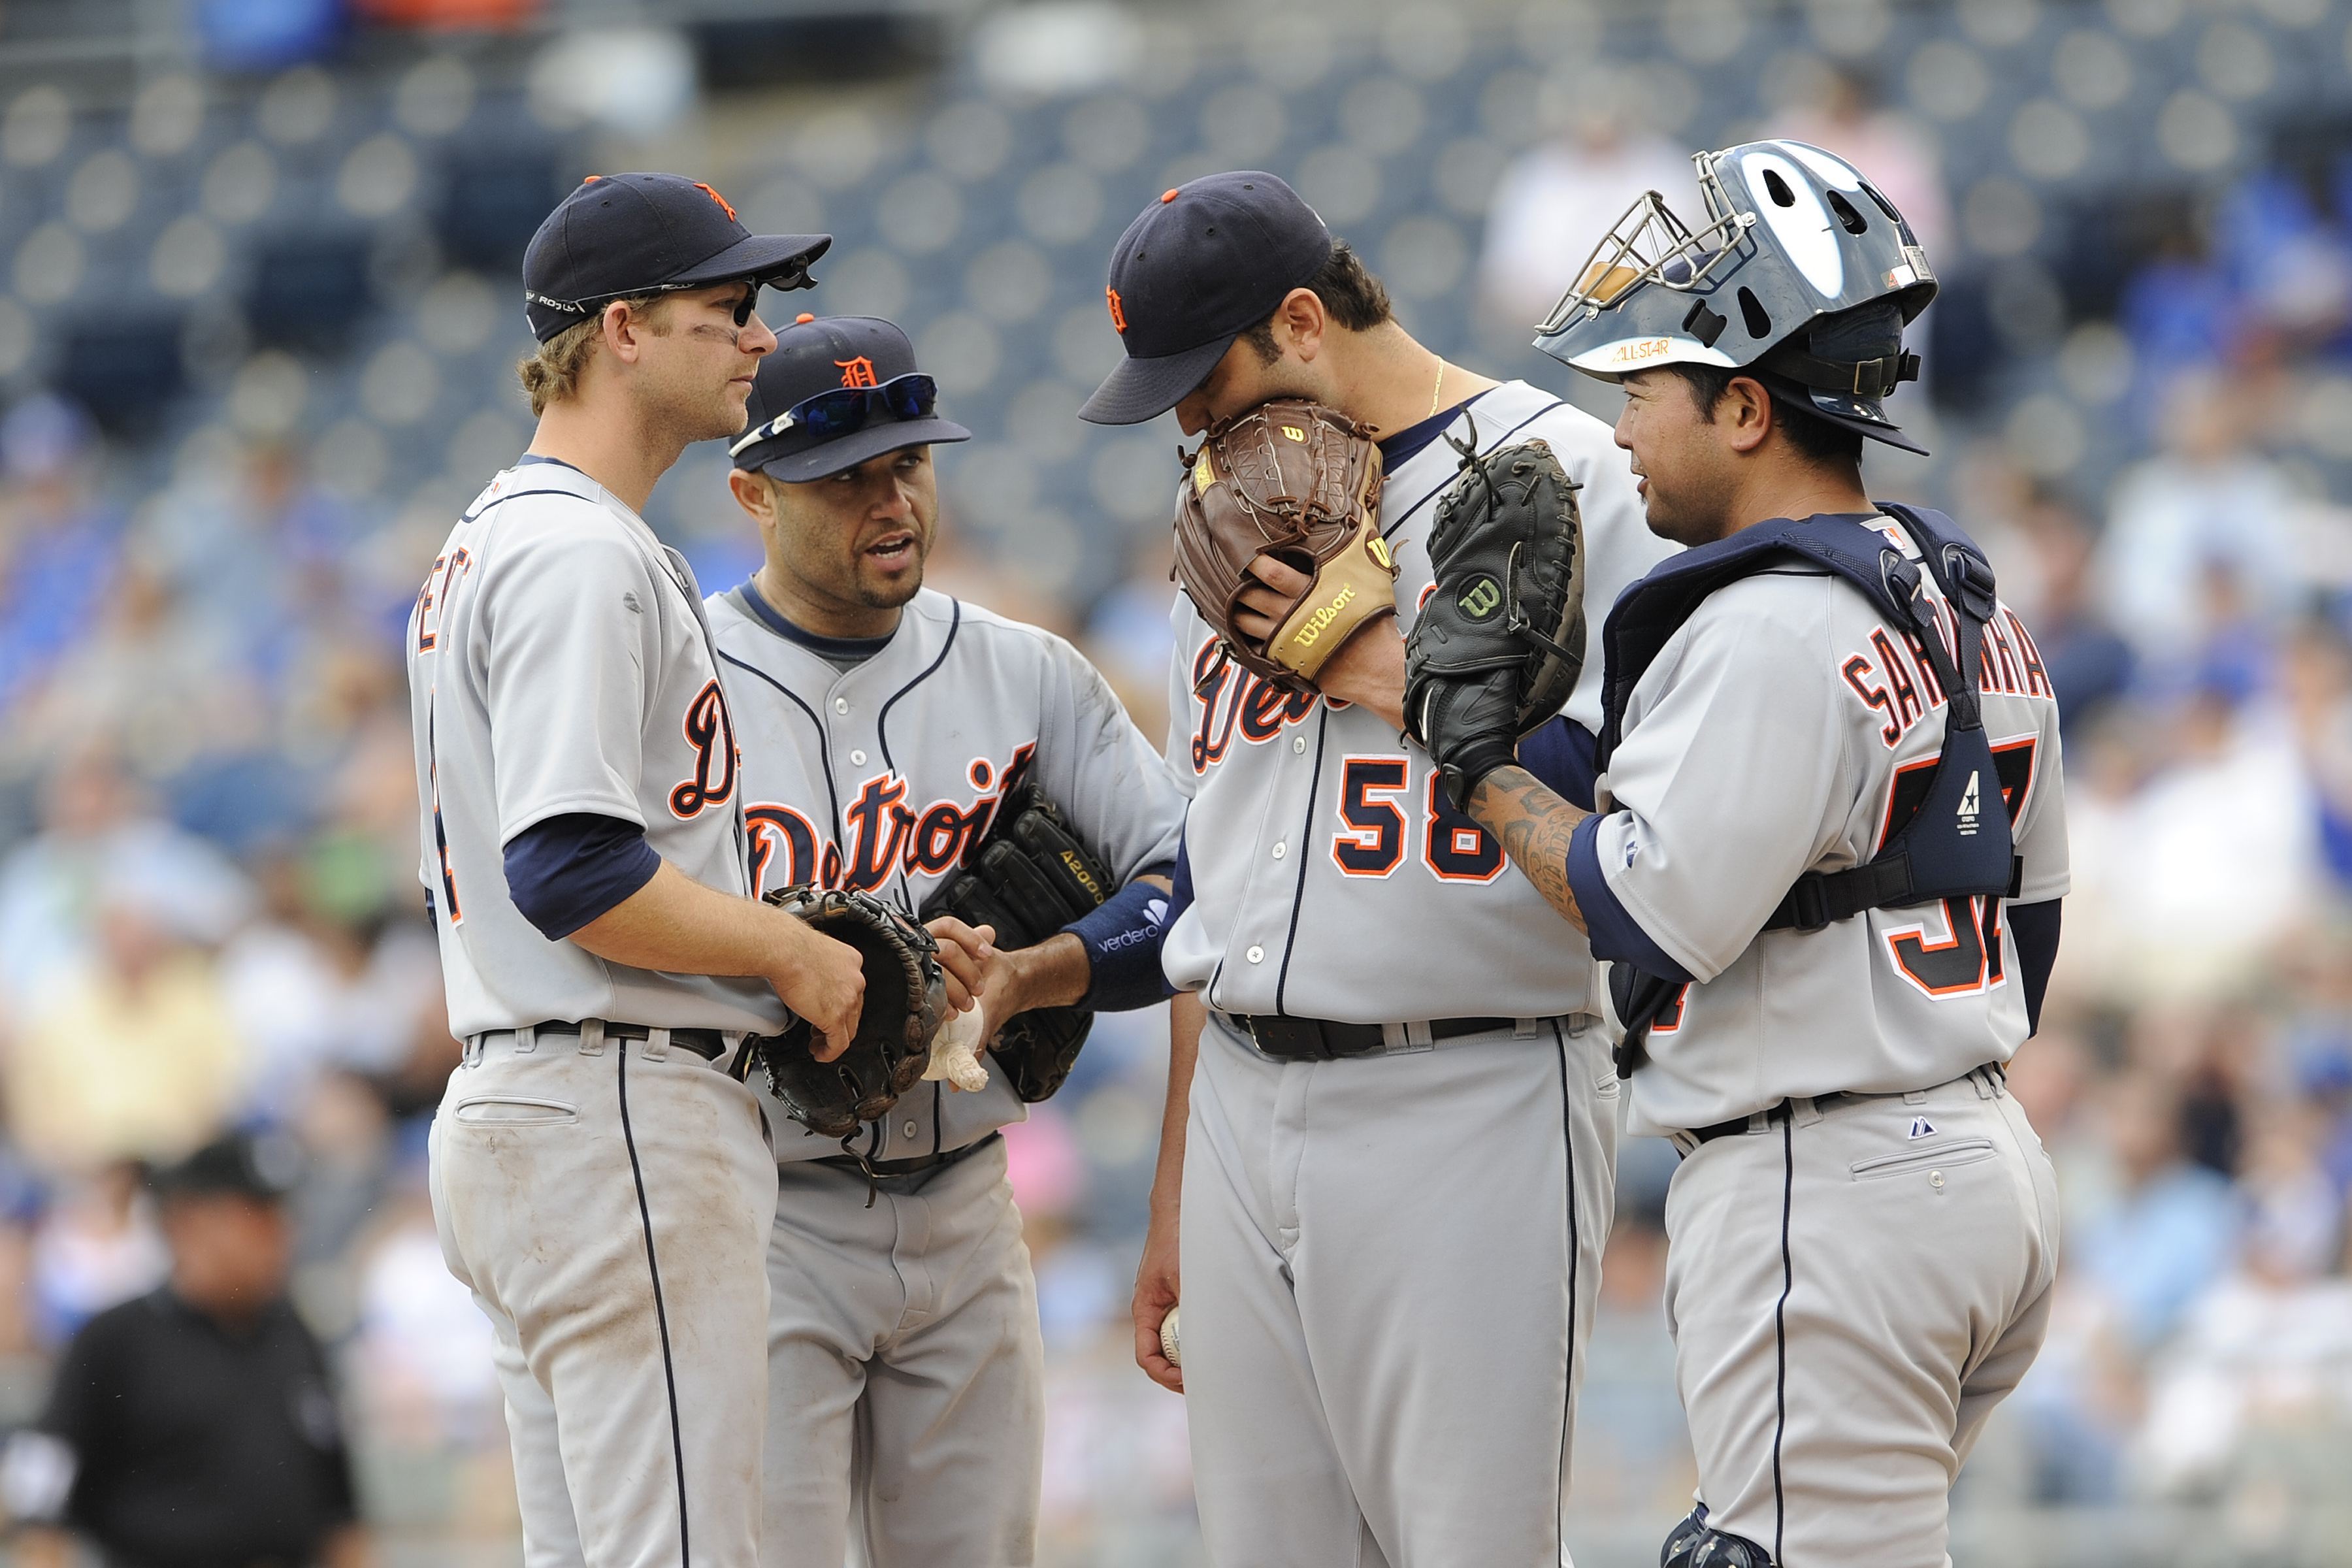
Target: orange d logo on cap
858	372
1118	315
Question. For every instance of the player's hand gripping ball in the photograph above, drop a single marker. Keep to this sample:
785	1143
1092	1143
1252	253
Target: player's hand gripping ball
1169	1346
1500	639
1300	482
906	1000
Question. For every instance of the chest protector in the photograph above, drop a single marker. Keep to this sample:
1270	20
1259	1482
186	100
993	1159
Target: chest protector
1956	842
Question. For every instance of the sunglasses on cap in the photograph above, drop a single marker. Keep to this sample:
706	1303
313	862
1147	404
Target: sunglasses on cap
839	410
795	276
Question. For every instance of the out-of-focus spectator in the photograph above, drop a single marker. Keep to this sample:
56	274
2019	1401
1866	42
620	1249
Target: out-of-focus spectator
135	1057
326	981
2206	504
195	1426
1129	636
2088	664
96	835
97	1245
58	543
1888	148
1557	199
2270	1343
2169	1227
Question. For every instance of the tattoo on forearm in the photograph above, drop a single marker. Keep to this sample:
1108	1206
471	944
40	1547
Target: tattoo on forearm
1536	828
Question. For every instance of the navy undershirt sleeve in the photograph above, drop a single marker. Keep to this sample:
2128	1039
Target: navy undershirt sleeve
567	870
1560	755
2034	928
1122	941
1615	934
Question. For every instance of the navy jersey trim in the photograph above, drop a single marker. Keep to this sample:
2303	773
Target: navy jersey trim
1614	933
661	1308
1306	837
1389	530
1560	753
825	647
565	872
1575	1260
2035	928
882	719
1406	445
824	754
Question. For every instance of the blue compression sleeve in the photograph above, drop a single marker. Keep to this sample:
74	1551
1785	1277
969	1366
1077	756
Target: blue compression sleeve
567	870
1615	934
1122	941
2034	928
1560	754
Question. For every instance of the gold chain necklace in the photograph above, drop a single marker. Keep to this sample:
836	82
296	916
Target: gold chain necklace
1435	386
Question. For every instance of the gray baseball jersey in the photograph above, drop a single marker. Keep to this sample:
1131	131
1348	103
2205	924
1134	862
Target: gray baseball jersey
558	663
1331	877
880	777
1337	1214
1781	730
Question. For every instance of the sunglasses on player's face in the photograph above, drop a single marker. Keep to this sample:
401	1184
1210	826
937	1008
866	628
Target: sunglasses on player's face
839	410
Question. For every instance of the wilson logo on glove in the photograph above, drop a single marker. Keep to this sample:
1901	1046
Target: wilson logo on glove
1480	599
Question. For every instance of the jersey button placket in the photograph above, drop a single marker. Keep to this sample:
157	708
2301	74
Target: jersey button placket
841	704
1280	850
857	759
1256	954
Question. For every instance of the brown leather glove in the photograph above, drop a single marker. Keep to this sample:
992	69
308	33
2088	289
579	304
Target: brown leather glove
1300	482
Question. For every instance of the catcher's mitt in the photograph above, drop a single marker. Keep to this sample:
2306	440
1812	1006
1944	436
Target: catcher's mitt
1500	640
1300	482
1030	878
906	1000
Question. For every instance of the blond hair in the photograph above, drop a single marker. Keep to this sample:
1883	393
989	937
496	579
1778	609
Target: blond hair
553	373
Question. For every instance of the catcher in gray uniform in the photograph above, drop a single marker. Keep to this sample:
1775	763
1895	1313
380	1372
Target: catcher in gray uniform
1380	1332
909	747
1825	869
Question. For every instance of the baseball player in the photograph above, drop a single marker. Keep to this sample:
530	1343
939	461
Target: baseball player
886	728
600	1182
1825	873
1397	1170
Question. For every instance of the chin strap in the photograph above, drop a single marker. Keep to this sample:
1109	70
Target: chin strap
1870	378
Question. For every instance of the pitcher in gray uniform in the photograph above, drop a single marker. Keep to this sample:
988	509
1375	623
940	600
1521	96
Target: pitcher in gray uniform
600	1182
1394	1157
884	726
1825	872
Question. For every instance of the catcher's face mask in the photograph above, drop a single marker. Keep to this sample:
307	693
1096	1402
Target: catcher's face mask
1790	236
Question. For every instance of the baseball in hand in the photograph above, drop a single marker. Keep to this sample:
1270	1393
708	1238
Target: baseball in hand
955	1052
1169	1345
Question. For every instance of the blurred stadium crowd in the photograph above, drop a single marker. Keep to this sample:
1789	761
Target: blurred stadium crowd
255	350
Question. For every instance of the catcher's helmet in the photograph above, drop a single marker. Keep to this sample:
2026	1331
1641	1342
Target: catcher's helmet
1803	273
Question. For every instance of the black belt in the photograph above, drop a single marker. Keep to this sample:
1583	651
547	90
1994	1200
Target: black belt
912	1164
708	1043
1320	1039
1779	1113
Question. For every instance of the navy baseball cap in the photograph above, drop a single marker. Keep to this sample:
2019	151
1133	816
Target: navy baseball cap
1205	262
820	354
620	235
261	1168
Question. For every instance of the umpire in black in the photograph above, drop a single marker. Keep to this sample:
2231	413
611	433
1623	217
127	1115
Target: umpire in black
194	1426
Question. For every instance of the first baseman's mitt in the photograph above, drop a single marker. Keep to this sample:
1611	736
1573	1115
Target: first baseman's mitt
1300	482
1500	639
1030	878
906	1000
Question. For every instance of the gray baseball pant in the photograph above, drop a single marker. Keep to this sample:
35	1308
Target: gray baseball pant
608	1203
905	1374
1852	1290
1389	1266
